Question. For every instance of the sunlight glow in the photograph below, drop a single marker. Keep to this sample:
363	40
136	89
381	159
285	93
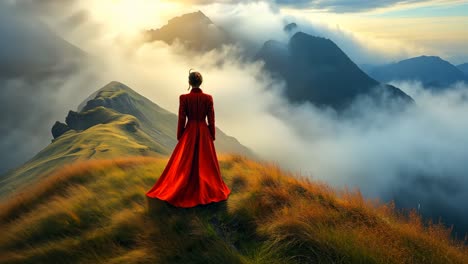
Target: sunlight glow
131	16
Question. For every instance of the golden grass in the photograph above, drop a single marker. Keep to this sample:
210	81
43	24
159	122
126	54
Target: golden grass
96	212
58	181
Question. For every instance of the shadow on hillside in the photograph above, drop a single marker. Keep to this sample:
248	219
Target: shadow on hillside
201	234
158	207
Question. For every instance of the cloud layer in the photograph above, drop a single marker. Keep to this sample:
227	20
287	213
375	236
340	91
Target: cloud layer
342	6
338	6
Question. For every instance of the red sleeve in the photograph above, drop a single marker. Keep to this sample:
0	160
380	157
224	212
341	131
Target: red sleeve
211	118
182	117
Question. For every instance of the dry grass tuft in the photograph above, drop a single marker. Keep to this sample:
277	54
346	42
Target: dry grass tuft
58	181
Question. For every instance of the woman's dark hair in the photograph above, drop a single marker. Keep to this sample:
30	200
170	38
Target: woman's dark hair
195	78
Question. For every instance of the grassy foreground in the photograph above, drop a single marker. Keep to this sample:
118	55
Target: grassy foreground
96	212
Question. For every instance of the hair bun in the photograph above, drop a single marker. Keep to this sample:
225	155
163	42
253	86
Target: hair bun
195	78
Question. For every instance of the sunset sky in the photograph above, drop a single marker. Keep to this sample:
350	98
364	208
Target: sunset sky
438	27
432	27
401	29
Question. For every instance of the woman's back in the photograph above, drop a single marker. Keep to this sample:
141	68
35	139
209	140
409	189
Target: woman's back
196	106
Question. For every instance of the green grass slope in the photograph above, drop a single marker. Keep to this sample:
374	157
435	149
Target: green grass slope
114	122
118	135
96	211
157	122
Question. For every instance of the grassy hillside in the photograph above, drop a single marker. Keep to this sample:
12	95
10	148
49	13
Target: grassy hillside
118	135
96	211
115	121
157	122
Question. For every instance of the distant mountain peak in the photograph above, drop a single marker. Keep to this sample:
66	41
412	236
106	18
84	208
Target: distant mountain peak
301	36
291	27
198	16
316	46
30	48
194	30
425	58
317	70
431	71
274	44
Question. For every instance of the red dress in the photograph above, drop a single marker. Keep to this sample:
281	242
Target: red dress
192	174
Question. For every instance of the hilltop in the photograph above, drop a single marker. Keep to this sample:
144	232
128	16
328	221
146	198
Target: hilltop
96	211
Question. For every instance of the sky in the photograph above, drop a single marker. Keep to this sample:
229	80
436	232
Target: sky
430	27
401	29
406	28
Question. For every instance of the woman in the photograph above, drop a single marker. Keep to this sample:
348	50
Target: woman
192	174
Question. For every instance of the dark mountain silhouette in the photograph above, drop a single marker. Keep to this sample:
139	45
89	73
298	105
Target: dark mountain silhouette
34	64
464	68
195	30
432	71
291	27
317	70
114	122
30	49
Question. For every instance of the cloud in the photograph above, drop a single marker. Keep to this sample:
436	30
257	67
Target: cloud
251	22
40	77
45	8
343	6
337	6
255	23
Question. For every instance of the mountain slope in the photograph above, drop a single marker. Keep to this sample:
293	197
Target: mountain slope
96	212
195	30
157	122
36	66
115	122
464	68
318	71
432	71
30	49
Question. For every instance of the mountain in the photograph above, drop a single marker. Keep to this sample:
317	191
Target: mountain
30	49
194	30
432	71
464	68
115	122
35	65
318	71
96	211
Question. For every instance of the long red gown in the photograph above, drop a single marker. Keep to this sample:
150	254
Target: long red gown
192	174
